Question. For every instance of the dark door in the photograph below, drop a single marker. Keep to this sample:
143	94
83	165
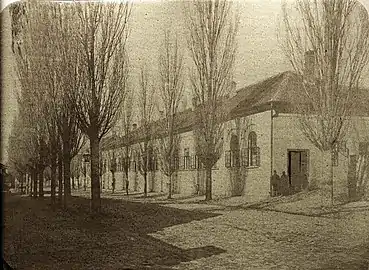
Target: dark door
298	169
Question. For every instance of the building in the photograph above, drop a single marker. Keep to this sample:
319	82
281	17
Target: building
261	135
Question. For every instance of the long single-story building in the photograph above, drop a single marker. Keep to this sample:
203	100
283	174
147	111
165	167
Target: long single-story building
262	134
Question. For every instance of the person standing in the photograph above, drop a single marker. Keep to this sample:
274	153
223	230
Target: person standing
275	179
285	186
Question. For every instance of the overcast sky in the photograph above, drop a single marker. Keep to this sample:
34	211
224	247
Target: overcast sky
259	54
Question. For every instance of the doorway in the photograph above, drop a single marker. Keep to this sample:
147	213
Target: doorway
298	170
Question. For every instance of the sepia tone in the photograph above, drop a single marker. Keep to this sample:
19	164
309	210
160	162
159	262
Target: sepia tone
185	134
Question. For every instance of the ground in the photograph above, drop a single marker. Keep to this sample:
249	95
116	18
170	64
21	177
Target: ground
138	233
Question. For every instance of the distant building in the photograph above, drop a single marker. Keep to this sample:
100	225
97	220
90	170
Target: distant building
261	135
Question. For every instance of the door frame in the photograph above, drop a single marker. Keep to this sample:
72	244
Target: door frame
307	158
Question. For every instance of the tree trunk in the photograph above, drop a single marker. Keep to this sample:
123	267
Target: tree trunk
66	166
27	184
135	187
324	181
34	176
113	180
170	187
23	183
30	179
145	184
352	177
53	179
41	183
126	179
331	178
95	182
60	180
208	194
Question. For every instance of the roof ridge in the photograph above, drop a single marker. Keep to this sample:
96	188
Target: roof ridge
264	80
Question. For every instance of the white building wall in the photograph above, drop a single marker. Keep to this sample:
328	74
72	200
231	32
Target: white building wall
288	135
256	181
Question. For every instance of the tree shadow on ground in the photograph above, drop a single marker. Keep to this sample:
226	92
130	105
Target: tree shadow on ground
45	238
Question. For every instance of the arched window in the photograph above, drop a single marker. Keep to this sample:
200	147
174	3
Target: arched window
252	140
235	151
232	157
253	150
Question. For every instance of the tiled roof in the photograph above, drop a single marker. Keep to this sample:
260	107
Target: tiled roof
282	90
183	122
279	89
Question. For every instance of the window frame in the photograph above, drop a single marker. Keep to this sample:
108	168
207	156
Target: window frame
252	151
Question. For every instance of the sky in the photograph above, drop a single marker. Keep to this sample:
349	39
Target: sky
259	54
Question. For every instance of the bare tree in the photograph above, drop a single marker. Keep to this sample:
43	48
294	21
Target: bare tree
212	43
126	118
101	36
171	91
48	34
28	49
328	46
63	74
146	107
17	150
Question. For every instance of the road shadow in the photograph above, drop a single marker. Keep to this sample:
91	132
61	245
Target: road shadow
37	235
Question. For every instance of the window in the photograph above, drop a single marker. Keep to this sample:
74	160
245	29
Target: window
186	159
105	170
245	157
133	165
154	164
235	158
232	159
175	164
113	165
253	151
194	162
125	163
